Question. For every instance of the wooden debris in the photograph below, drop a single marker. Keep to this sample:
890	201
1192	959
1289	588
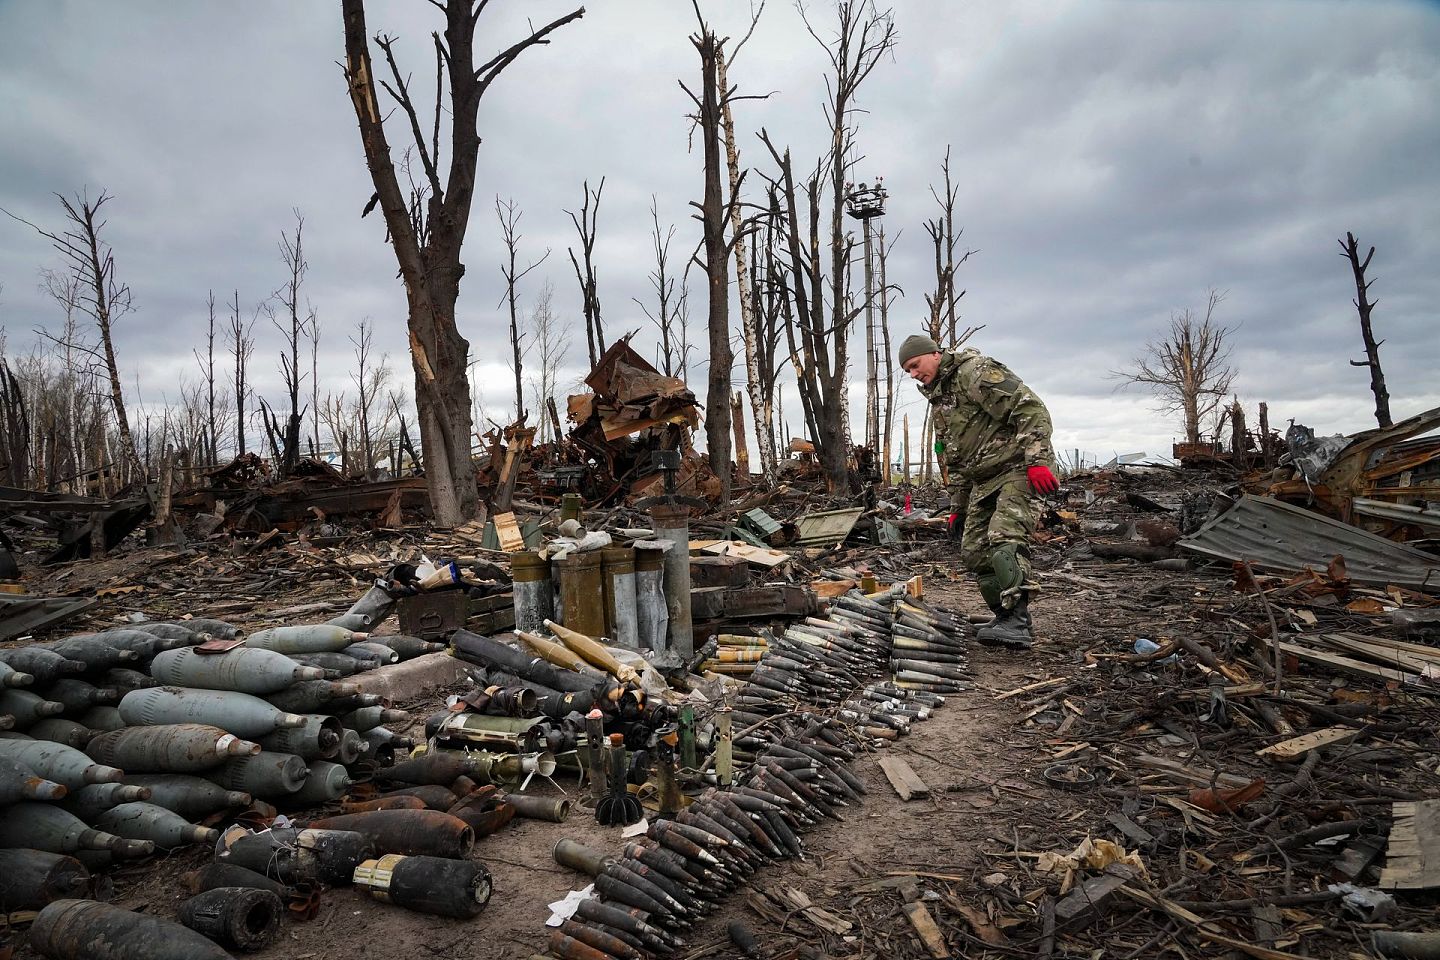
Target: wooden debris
1040	685
1092	894
928	932
1412	858
905	781
1299	746
508	530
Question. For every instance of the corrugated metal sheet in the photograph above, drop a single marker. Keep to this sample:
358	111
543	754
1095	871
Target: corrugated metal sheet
1273	535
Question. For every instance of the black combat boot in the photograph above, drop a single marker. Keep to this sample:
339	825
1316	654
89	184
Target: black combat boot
1011	629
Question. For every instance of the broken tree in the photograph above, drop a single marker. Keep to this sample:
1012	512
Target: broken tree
427	228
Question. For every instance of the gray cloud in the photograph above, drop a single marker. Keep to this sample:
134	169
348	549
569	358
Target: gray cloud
1115	160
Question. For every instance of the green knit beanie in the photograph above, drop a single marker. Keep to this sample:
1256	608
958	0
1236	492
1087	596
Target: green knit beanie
917	345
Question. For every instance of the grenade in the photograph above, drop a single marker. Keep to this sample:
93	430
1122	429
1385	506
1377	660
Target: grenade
242	669
239	713
170	748
309	638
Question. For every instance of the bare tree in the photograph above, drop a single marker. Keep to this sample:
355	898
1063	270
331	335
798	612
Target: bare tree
819	332
285	439
427	227
943	303
91	261
314	333
1189	370
585	225
551	345
372	417
509	216
207	373
1364	304
714	210
770	305
744	282
668	306
242	347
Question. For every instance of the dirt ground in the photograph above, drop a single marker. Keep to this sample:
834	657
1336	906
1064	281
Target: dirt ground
984	785
968	848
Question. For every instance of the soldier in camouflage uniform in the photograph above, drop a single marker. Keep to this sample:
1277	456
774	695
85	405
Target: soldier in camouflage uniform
994	434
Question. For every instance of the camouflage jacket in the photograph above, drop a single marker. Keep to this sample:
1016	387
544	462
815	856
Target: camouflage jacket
993	425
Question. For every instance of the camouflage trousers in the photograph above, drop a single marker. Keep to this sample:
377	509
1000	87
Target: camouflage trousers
996	544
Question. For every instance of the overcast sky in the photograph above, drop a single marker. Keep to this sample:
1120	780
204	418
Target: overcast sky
1115	159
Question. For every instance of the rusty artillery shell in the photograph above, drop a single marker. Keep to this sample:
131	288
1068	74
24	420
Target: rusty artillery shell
18	782
568	948
411	832
59	763
244	670
436	885
382	803
305	638
434	796
435	767
622	892
139	820
596	911
90	930
34	878
216	874
242	917
600	940
301	856
549	809
325	782
310	696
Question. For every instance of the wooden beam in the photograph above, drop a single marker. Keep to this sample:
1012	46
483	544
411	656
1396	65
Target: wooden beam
928	932
903	779
1412	858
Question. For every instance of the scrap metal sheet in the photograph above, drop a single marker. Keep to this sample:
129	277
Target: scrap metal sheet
1273	535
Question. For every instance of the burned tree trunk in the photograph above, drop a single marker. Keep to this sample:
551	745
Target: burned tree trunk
242	345
427	229
1364	305
585	225
716	263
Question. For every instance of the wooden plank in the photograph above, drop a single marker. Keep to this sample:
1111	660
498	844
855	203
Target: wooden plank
903	778
1028	687
759	556
1386	653
829	589
1348	665
507	528
1412	858
1129	829
1296	748
929	933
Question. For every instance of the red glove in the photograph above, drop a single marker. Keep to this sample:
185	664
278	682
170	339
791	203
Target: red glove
1041	479
954	527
